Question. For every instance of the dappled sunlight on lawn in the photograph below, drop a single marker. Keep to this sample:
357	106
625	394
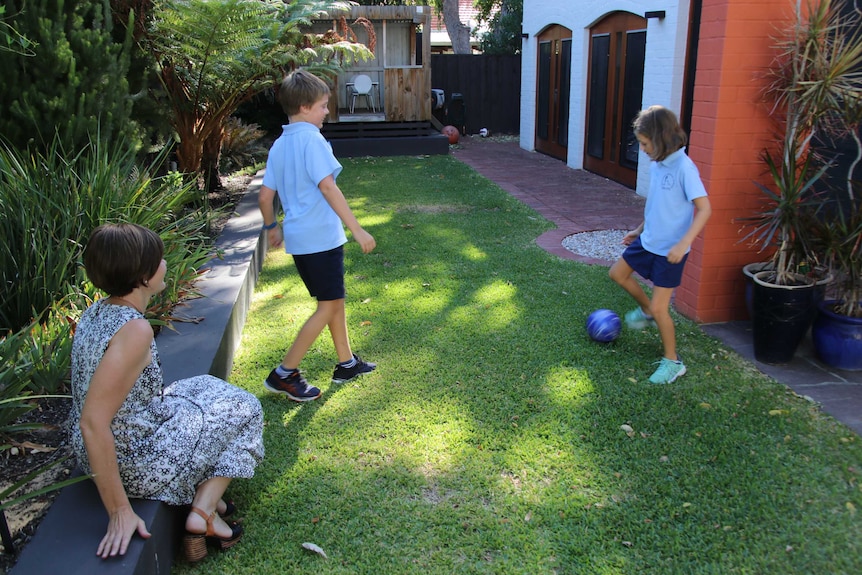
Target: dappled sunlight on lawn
376	220
473	253
568	387
495	436
493	307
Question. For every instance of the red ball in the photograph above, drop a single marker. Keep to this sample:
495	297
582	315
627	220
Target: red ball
452	133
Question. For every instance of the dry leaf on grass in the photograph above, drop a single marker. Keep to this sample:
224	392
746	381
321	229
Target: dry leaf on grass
315	549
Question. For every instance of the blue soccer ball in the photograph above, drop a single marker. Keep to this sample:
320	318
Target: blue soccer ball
604	326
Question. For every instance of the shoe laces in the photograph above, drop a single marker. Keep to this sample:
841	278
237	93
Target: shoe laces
665	366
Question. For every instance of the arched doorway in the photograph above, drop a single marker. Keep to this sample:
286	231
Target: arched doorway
552	91
615	90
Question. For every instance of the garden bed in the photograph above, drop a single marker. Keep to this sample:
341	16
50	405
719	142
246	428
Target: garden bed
49	443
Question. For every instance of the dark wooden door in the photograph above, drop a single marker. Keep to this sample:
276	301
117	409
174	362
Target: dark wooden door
616	73
552	92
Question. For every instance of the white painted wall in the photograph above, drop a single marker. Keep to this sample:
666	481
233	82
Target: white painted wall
663	68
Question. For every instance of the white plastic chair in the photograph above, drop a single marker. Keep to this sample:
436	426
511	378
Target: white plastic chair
362	86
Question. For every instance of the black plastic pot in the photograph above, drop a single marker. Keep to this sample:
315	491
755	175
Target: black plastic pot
748	271
782	316
820	284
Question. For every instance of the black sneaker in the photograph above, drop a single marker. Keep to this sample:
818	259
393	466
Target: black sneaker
294	386
344	374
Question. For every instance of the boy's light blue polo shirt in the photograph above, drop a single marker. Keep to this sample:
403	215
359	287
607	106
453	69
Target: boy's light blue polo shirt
674	185
298	161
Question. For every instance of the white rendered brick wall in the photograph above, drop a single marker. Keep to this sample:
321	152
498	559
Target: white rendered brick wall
663	67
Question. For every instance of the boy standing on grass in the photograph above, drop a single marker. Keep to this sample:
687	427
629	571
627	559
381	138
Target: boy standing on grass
302	170
659	247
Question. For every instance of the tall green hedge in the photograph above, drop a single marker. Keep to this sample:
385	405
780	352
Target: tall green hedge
51	201
73	84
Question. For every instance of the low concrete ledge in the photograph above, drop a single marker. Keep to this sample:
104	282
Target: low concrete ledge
205	341
67	537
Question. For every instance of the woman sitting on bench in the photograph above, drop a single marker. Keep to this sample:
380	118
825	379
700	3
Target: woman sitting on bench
180	444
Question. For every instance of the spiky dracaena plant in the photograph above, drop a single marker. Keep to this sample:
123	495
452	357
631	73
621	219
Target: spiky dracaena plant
819	82
814	84
213	55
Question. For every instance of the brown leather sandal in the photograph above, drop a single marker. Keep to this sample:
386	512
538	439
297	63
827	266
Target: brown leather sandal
195	544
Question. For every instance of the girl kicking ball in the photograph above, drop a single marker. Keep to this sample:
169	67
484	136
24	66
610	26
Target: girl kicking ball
658	248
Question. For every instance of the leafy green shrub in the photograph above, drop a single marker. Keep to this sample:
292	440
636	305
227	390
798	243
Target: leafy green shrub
17	370
50	203
21	364
47	351
70	79
243	145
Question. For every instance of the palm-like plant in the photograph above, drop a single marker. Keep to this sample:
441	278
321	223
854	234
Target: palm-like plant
818	76
819	82
815	84
789	208
838	240
214	55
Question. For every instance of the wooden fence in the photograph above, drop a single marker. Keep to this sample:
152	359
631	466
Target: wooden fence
490	86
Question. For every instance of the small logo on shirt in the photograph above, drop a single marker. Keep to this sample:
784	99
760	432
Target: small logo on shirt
667	182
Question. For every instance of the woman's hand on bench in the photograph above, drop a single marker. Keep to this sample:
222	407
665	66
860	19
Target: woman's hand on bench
122	526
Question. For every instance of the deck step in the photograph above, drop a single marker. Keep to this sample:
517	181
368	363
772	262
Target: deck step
357	139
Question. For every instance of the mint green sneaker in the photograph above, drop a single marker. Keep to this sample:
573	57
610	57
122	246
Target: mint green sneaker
668	371
637	319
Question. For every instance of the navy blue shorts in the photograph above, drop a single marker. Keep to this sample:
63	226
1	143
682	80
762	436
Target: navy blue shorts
654	267
323	273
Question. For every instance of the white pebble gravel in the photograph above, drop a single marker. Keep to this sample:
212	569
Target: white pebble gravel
602	244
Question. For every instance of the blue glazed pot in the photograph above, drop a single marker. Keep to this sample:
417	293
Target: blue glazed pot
837	338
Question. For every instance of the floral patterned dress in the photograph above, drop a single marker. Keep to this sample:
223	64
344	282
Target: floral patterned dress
168	439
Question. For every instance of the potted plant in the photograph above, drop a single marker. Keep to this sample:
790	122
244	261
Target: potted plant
813	84
783	303
783	298
831	94
837	330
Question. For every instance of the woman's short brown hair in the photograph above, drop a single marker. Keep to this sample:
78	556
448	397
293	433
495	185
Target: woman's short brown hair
301	88
120	257
663	130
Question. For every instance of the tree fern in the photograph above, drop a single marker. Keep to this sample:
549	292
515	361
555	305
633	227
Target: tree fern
215	55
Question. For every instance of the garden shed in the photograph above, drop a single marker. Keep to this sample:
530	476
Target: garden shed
400	71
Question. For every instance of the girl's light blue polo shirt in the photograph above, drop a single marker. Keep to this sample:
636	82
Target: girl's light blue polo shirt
674	185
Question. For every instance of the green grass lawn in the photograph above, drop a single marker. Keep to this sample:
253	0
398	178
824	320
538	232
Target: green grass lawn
490	439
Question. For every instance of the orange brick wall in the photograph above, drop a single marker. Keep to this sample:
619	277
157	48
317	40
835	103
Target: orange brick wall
729	129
